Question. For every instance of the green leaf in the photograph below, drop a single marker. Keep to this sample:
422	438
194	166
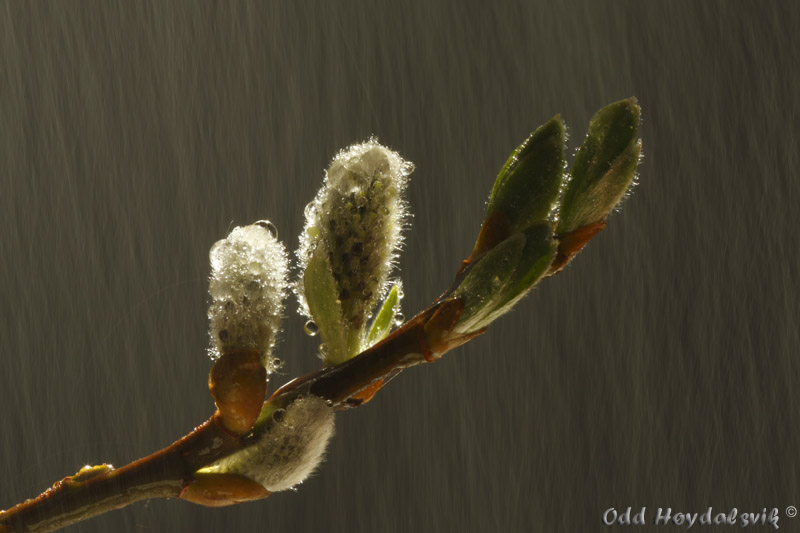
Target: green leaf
534	262
322	297
504	276
383	320
527	186
486	280
604	167
538	253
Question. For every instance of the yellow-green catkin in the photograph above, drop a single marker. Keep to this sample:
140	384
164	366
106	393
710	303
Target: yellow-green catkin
357	218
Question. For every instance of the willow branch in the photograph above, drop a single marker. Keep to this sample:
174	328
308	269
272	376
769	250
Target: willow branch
166	473
518	245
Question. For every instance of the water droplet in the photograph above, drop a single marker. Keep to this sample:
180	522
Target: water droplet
309	210
218	289
399	318
255	267
323	349
311	328
269	226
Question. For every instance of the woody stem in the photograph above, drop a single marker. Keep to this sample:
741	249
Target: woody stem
164	473
159	475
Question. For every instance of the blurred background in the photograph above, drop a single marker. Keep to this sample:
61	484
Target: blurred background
658	370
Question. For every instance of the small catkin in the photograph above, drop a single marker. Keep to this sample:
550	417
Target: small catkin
289	451
358	213
249	271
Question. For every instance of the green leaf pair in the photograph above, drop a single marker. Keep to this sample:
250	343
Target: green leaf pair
538	218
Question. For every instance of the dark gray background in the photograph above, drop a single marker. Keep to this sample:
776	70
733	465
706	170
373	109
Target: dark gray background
658	370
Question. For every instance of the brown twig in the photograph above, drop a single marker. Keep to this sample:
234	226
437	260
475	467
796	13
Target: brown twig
160	475
166	473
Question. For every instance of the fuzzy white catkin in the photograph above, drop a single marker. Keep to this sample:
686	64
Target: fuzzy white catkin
248	284
358	213
289	451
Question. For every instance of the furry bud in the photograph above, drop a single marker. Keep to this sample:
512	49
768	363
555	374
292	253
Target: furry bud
247	287
288	451
350	243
